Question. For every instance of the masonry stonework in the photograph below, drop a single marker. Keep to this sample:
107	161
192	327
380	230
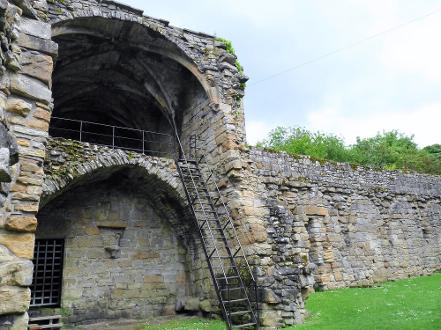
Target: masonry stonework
306	225
327	226
25	106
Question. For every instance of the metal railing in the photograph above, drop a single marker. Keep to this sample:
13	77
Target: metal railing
116	137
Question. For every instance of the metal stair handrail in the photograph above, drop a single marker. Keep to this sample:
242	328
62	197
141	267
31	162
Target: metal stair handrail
232	231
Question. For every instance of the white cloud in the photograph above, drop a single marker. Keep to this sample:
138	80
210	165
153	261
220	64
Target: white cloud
257	131
390	82
422	122
415	50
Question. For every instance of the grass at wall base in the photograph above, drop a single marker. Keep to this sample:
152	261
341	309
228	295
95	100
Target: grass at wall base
410	304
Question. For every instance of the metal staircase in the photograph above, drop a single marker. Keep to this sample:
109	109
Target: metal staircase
232	277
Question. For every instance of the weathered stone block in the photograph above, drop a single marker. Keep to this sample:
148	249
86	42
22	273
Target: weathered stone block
16	272
7	141
20	322
5	175
316	210
37	65
26	207
42	114
15	300
206	306
35	28
39	124
258	232
269	297
18	106
21	223
22	245
26	8
30	88
35	43
14	322
192	304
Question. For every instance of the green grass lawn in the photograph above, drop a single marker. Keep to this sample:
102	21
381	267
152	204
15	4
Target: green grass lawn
412	304
188	324
402	305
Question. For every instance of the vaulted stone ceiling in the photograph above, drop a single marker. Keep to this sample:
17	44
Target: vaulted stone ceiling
120	73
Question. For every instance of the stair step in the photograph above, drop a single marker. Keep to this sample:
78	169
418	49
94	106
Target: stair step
227	278
240	313
234	300
232	289
244	325
224	257
193	188
191	161
229	257
212	225
187	170
199	203
228	267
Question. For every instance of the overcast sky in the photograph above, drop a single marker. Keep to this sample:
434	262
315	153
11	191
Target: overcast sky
389	82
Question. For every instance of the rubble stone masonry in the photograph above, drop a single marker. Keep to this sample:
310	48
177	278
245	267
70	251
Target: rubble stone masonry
26	61
307	225
328	225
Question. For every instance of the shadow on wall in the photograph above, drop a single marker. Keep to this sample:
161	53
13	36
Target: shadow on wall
8	156
130	251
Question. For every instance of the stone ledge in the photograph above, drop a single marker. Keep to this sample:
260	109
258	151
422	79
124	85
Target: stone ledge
123	6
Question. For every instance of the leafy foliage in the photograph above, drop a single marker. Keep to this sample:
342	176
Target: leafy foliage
230	50
388	150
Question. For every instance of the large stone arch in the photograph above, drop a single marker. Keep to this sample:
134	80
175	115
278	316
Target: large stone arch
187	57
30	112
219	119
68	163
170	47
92	193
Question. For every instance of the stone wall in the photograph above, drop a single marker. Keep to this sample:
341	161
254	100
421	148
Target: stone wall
306	224
26	59
123	257
217	117
326	226
89	192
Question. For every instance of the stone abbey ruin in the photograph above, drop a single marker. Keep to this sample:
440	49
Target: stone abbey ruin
128	190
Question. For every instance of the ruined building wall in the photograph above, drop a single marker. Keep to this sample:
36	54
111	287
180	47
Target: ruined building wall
122	259
216	114
26	60
306	224
329	226
91	193
28	57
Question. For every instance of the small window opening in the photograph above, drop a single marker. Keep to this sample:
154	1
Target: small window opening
48	266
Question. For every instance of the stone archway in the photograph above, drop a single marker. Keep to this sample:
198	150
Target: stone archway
131	249
118	72
30	104
69	162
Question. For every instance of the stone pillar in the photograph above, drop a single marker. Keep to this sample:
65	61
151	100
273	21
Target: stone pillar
26	59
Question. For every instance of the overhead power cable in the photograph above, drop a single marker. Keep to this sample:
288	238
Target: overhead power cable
351	45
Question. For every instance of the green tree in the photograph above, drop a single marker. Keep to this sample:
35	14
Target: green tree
302	142
434	150
388	150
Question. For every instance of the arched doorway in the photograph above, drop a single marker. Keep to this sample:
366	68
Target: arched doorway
125	246
111	246
121	84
